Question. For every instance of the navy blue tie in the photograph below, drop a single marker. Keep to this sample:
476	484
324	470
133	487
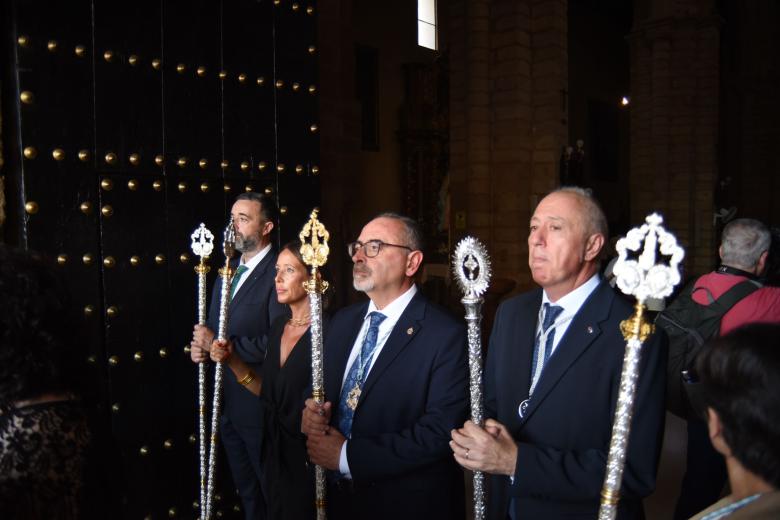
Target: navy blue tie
542	350
353	385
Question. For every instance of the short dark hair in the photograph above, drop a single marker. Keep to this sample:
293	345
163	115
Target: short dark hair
37	354
412	233
740	378
268	208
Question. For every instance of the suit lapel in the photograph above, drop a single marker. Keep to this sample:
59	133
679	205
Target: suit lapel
583	330
339	348
518	363
405	329
259	270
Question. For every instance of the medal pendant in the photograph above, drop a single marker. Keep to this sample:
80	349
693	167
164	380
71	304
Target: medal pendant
523	407
352	397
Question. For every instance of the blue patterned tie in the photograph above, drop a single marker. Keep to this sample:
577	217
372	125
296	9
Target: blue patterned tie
350	392
551	312
240	270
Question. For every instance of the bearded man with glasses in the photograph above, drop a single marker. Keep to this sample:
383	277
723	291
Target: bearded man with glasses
396	383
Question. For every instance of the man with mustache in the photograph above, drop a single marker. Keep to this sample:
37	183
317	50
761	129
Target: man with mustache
253	307
396	380
552	378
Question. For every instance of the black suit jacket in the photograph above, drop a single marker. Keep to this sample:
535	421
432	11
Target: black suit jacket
250	314
563	441
415	393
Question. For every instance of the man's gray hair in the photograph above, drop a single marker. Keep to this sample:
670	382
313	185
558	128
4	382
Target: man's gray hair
595	220
412	235
743	242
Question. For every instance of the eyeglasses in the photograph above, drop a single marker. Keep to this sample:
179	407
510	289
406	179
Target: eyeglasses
370	248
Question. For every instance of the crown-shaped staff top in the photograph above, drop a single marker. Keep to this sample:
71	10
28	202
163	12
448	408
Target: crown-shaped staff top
229	242
642	277
314	251
471	266
202	242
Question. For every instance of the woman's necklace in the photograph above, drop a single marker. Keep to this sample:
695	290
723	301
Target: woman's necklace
300	322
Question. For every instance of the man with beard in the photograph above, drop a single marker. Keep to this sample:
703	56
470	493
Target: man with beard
396	376
253	307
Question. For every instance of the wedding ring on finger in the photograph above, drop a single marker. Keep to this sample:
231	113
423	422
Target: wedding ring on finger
467	453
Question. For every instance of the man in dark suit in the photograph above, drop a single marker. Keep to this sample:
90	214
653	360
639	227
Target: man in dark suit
253	307
396	376
552	378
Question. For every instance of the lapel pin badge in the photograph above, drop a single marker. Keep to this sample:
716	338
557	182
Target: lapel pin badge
409	331
590	329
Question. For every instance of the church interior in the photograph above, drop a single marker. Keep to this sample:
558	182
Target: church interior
127	124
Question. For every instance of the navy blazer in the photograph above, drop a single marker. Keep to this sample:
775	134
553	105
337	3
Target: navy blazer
415	394
250	314
563	441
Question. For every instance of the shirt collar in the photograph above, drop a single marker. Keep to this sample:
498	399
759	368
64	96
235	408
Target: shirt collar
572	301
397	307
252	263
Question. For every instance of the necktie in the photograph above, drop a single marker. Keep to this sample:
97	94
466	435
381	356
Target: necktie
542	349
544	342
240	270
350	392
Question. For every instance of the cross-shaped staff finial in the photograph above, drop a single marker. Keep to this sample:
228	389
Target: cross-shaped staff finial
471	266
202	242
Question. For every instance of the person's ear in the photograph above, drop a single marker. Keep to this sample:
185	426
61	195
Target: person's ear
715	427
593	245
267	228
413	263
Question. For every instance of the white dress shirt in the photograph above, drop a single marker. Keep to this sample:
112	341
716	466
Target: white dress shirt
250	266
393	312
571	304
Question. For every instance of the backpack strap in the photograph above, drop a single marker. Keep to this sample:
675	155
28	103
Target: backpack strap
734	295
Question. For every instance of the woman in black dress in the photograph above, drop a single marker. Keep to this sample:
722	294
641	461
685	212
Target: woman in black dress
282	385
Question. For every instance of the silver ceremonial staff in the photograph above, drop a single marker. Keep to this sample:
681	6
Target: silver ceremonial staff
314	250
471	266
202	246
642	278
226	273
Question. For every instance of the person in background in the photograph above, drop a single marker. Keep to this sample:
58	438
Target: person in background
740	387
44	435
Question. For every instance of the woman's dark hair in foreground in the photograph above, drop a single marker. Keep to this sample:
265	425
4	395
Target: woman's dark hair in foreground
740	377
36	351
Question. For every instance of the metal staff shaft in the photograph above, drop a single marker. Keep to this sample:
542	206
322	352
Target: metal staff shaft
471	267
202	245
202	269
621	427
315	254
216	403
473	318
637	274
318	390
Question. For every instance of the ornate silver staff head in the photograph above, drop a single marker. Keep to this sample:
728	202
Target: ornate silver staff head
229	242
642	277
471	267
202	242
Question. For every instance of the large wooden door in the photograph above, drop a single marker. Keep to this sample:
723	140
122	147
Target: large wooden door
125	125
